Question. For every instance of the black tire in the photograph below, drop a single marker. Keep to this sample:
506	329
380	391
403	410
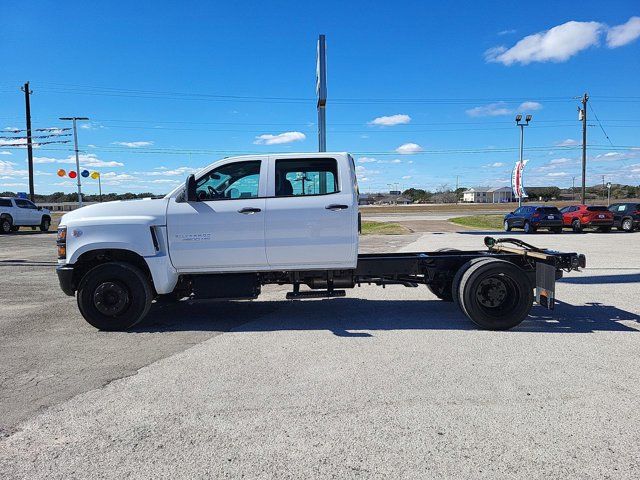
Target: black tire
604	229
455	285
114	296
45	224
15	228
5	225
507	226
556	229
528	228
627	225
576	226
443	291
495	294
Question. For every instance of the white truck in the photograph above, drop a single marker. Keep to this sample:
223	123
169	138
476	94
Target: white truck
20	212
289	219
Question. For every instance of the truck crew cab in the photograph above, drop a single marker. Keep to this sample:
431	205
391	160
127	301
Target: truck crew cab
244	222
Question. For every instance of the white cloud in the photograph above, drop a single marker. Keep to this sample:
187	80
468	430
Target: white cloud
367	160
165	172
406	177
133	144
561	161
86	160
389	121
507	32
397	160
615	156
622	34
12	142
557	44
5	153
529	106
409	148
567	142
495	165
490	110
280	138
557	174
8	170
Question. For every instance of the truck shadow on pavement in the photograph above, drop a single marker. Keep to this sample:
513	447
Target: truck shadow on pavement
598	279
354	317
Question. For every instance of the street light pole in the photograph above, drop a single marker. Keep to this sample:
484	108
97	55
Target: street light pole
522	125
75	142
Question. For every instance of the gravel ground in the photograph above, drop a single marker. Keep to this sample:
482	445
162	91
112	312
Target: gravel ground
385	383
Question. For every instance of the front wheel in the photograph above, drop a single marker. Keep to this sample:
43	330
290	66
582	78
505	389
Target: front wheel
5	225
495	294
627	225
507	227
114	296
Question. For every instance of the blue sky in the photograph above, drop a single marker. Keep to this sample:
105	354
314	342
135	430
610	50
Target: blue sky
175	86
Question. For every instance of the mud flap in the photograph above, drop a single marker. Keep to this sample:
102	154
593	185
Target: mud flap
545	285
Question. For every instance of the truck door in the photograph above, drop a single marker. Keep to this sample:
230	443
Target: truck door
224	230
312	213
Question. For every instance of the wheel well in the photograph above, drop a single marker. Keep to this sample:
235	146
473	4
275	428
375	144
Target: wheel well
6	215
46	217
90	259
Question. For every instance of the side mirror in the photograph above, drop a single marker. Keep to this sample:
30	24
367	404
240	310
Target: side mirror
190	189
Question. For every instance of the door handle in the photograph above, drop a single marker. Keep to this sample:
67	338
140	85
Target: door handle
335	206
249	210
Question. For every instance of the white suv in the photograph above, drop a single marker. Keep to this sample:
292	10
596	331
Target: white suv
20	212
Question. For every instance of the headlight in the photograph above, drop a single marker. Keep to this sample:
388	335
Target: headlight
62	243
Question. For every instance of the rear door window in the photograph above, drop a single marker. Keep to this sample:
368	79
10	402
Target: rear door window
301	177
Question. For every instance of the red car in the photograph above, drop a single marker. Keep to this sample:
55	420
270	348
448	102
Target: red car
587	216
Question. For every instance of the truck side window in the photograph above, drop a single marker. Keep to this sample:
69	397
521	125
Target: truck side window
230	182
300	177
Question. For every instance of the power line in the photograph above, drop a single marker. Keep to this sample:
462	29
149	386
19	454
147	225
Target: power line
601	127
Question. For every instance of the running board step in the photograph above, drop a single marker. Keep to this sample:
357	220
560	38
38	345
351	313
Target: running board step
315	294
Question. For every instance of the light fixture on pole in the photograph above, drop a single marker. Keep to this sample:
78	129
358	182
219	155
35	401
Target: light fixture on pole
75	142
520	124
608	193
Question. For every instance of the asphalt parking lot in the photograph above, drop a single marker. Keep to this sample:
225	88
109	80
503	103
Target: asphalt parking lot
386	383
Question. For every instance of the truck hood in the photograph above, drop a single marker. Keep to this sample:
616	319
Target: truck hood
147	210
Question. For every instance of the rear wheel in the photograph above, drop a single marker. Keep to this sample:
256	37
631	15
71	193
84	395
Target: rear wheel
495	294
114	296
45	224
443	290
528	228
576	225
5	225
627	225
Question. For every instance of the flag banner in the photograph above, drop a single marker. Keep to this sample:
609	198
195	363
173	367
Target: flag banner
517	179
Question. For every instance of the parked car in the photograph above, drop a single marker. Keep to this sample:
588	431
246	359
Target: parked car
20	212
626	216
531	218
579	217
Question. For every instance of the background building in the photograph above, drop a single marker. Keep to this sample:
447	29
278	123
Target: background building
488	195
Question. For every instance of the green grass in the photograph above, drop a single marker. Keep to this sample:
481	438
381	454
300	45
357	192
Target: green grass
383	228
489	222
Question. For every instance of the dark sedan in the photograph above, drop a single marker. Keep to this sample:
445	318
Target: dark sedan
531	218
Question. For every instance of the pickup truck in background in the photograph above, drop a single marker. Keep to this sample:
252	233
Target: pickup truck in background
20	212
290	219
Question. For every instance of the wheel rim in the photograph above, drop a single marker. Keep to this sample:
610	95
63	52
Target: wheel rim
527	227
626	225
576	225
111	298
496	295
6	226
46	224
506	225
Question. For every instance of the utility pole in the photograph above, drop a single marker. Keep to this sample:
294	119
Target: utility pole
27	105
522	125
75	142
321	92
603	188
457	186
582	115
573	189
